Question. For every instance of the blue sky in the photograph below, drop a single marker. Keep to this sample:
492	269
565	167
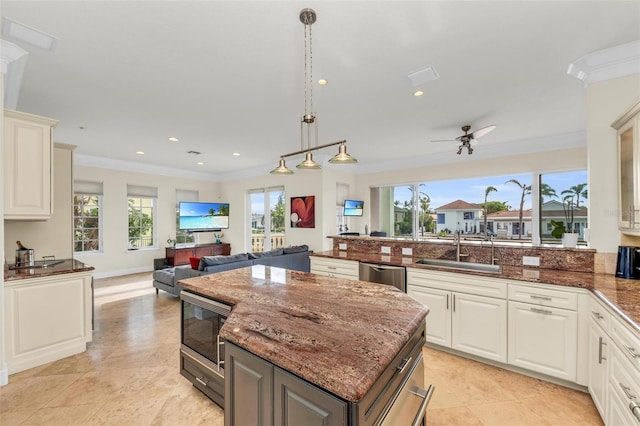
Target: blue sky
472	190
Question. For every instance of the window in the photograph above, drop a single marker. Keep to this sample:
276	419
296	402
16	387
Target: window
267	221
503	207
182	236
141	212
87	217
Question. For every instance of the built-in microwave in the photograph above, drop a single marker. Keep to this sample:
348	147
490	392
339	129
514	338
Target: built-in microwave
202	350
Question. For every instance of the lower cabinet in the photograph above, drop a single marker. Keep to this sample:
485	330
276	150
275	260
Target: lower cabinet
335	268
543	339
624	391
598	366
459	320
258	393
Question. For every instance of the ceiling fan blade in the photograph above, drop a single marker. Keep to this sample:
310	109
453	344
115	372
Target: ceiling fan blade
444	140
481	132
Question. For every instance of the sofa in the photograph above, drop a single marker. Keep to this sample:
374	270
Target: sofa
294	257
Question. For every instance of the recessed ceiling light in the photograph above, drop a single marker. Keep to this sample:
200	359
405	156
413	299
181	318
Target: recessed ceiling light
172	139
200	163
236	154
322	82
140	152
418	93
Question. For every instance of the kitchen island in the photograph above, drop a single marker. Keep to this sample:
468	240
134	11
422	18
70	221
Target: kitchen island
336	336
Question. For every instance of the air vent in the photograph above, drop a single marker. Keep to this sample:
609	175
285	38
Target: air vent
423	76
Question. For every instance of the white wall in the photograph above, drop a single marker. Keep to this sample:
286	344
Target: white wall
115	258
606	101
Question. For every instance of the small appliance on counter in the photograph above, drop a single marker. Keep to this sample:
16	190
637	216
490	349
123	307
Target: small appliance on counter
628	263
24	257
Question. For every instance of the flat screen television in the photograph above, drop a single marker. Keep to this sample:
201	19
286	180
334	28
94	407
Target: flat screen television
353	207
202	217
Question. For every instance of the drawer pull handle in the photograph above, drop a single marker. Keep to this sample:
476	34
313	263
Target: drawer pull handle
600	345
627	391
635	410
204	382
541	311
598	315
535	296
423	406
405	362
333	268
632	351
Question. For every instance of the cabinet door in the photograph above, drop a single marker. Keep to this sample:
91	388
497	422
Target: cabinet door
479	326
182	256
543	339
298	403
28	150
439	318
598	364
335	268
628	127
248	388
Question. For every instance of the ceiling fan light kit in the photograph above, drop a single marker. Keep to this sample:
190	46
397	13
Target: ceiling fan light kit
309	121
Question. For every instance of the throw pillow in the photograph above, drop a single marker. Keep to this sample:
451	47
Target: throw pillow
270	253
219	260
296	249
195	262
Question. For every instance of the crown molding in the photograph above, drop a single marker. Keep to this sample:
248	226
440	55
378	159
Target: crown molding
607	64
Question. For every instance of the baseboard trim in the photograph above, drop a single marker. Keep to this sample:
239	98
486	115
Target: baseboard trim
4	375
120	272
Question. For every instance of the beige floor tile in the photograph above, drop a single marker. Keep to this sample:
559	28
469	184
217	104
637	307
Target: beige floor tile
192	408
14	418
452	416
128	411
77	415
33	393
507	413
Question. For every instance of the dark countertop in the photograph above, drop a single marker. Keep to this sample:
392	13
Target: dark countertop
622	295
337	334
67	266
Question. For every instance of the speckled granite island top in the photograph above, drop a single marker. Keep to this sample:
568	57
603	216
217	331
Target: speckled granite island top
622	295
337	334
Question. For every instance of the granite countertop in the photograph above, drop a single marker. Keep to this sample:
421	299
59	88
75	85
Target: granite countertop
337	334
65	266
622	295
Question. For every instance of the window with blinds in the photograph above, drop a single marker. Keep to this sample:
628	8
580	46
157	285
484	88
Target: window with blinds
87	216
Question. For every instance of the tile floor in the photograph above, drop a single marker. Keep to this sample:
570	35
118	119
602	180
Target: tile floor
130	376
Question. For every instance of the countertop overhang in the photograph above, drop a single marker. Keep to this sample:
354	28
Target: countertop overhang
338	334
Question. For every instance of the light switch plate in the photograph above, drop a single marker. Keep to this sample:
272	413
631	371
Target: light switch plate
385	250
342	246
407	251
530	260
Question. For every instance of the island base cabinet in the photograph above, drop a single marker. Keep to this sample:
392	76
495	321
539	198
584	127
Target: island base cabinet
248	388
298	403
543	339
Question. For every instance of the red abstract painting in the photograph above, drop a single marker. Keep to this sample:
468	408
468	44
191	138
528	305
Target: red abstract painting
303	212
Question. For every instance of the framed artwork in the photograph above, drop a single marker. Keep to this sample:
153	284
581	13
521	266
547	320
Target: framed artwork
303	213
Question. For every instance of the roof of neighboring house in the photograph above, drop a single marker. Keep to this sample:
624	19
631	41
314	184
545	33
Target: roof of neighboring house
526	214
459	205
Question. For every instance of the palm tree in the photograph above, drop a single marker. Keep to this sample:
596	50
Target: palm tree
526	190
547	191
577	191
487	191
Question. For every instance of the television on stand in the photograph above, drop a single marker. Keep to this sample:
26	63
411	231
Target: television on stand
203	216
353	208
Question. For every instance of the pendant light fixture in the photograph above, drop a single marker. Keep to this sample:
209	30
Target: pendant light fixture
309	121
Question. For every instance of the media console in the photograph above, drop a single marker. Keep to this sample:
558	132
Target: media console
180	255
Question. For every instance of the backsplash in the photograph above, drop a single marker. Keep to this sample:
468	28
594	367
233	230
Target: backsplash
577	260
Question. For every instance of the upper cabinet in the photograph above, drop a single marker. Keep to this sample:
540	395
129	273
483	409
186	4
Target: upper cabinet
628	127
28	168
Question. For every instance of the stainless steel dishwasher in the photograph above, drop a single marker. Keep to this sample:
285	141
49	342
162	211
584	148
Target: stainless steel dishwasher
384	274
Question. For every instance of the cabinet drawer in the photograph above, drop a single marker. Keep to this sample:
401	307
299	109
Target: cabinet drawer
452	281
544	297
599	314
629	344
202	377
624	382
336	267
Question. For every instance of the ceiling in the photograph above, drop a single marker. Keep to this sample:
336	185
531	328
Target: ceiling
227	76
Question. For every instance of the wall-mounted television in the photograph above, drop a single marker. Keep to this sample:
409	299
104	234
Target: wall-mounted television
202	217
353	207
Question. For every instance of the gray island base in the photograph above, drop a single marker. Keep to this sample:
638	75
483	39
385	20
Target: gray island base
307	349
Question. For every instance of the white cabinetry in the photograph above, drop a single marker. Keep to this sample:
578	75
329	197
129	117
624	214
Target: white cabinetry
543	337
335	268
628	127
28	149
46	319
599	356
461	315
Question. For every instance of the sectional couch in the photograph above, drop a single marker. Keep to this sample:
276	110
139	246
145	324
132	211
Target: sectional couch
294	257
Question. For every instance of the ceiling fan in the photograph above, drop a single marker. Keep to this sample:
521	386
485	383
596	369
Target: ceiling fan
465	140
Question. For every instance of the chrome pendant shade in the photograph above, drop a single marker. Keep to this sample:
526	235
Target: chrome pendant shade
309	122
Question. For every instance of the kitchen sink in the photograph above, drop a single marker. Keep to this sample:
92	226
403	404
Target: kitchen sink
468	266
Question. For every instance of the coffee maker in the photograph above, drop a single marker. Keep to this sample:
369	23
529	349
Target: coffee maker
628	264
